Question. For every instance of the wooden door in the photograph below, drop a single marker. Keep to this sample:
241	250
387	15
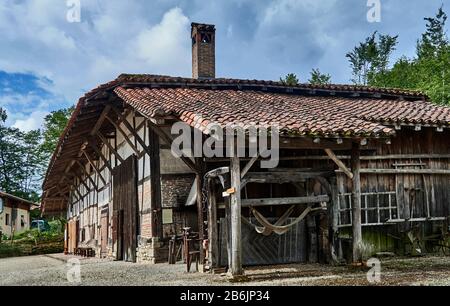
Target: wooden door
265	250
104	234
125	209
72	235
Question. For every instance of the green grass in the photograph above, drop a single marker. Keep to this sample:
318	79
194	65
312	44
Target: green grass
33	242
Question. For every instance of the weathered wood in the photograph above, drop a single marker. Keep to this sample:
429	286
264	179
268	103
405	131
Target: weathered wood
110	147
125	135
235	199
313	256
132	130
125	209
356	201
227	222
155	186
347	157
87	175
94	166
405	171
339	163
248	166
333	221
212	226
284	201
167	139
100	154
199	178
282	177
100	120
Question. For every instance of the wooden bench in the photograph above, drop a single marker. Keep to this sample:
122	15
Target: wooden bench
85	252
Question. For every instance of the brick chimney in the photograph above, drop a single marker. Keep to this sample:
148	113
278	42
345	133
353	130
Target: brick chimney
203	51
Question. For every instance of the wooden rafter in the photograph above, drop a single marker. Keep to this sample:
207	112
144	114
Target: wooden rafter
94	166
125	136
249	165
166	138
100	154
124	120
100	120
87	175
110	147
339	163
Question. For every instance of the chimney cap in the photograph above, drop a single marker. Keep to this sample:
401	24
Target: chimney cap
203	26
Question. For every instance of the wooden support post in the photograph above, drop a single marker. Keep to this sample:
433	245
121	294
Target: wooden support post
155	186
333	217
227	225
235	198
199	178
356	203
213	238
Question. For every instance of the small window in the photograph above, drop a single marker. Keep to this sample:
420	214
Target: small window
167	216
22	220
7	219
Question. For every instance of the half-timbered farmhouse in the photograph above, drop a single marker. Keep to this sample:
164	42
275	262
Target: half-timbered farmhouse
361	170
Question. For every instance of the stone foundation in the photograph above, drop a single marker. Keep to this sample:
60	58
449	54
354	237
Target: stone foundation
151	250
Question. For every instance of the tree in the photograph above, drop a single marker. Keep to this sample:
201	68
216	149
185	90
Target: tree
429	71
434	41
290	80
371	57
54	125
318	78
21	163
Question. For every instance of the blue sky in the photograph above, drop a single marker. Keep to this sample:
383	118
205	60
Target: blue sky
47	63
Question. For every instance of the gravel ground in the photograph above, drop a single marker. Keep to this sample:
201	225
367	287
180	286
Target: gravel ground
52	270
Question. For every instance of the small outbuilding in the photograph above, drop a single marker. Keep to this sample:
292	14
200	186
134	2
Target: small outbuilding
14	214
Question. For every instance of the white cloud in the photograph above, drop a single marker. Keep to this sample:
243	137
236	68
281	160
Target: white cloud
33	122
166	44
255	39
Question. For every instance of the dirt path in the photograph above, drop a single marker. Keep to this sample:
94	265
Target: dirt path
52	270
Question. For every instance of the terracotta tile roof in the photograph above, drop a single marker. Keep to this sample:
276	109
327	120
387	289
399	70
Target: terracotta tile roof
140	79
325	110
295	114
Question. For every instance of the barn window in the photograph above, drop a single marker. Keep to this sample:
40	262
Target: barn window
167	216
7	219
22	220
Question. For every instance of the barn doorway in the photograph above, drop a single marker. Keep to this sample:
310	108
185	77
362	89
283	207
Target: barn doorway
125	209
104	233
73	230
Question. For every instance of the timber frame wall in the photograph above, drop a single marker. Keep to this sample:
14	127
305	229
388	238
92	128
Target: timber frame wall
163	183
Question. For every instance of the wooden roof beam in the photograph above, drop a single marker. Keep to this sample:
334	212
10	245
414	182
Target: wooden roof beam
339	163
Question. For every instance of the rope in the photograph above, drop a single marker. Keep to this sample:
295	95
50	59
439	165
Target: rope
267	231
280	230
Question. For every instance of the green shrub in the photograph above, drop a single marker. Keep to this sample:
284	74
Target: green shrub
10	250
